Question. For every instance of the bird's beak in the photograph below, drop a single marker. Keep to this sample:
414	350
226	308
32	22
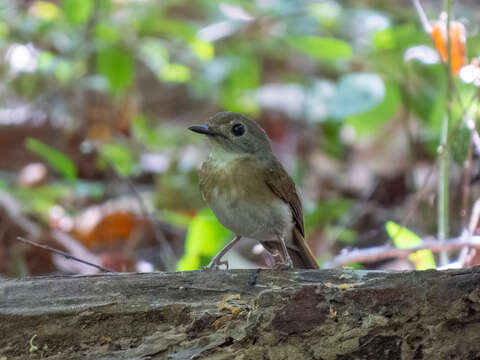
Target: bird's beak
203	129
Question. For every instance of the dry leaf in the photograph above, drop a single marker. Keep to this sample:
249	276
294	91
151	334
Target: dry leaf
106	224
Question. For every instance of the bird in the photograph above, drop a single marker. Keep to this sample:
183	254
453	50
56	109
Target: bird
250	192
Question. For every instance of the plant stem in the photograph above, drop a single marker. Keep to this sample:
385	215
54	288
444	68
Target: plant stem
444	153
443	191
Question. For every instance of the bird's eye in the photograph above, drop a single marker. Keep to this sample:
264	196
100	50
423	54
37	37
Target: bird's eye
238	129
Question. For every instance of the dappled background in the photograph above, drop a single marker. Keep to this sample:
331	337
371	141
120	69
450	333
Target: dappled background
96	97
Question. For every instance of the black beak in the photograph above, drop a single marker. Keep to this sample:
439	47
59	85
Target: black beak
202	129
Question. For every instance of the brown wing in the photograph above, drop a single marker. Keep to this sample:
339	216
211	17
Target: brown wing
282	185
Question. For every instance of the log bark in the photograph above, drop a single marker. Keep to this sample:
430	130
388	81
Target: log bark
243	314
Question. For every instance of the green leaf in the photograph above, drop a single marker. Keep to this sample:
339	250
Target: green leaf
357	93
104	5
116	64
41	199
177	218
63	69
428	87
175	73
326	211
403	238
399	38
107	32
369	121
422	259
77	11
204	50
437	114
205	238
327	13
161	26
321	48
145	133
4	30
384	39
44	10
119	157
154	54
189	262
244	77
245	73
341	235
354	266
52	157
459	147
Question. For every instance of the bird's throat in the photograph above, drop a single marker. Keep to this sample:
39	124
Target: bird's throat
223	160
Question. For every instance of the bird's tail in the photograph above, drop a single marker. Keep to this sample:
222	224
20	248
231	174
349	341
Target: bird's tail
301	255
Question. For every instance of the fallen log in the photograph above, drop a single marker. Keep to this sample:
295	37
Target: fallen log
243	314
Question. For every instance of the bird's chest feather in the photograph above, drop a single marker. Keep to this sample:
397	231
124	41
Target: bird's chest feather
236	191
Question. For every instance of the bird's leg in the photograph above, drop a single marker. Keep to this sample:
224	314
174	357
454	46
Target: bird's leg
288	260
216	261
273	257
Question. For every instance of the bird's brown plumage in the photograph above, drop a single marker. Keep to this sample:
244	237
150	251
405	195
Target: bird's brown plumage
282	186
250	192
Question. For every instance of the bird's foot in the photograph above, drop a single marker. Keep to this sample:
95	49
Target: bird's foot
215	265
283	266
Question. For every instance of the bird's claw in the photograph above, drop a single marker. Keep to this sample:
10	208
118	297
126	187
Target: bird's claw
283	266
215	265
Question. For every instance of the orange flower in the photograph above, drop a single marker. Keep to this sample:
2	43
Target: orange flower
457	43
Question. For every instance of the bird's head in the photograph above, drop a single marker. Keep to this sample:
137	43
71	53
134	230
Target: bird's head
235	133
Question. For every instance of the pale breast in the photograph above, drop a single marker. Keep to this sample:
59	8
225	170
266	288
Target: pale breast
242	202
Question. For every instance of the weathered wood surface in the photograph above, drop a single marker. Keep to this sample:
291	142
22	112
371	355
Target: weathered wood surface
243	314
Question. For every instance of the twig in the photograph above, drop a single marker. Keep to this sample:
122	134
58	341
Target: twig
466	182
73	246
64	254
423	18
378	253
474	217
473	140
167	255
420	195
15	217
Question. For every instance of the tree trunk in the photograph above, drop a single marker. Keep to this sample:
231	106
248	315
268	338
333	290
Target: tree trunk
243	314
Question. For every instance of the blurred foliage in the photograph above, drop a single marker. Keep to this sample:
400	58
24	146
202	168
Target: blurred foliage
403	238
118	157
41	199
54	158
326	211
205	238
342	76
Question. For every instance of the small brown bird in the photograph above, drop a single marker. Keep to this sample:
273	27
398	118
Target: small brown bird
250	193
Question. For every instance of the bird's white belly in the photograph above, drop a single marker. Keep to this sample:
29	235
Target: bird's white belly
260	221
